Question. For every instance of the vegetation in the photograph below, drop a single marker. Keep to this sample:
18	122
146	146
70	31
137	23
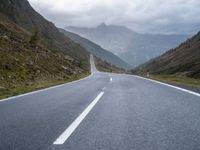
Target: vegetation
31	61
181	61
107	67
34	38
26	68
178	80
36	86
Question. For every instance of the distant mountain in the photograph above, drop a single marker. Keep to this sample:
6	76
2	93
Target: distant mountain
183	60
132	47
96	50
33	51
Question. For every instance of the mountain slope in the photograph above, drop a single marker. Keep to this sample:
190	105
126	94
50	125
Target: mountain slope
104	66
114	38
132	47
96	50
21	13
183	60
34	54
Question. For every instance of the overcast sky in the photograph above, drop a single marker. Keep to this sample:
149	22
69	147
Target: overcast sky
145	16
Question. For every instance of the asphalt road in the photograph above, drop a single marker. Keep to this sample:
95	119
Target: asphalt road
102	112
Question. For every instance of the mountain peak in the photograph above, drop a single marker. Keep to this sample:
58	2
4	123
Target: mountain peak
102	25
114	27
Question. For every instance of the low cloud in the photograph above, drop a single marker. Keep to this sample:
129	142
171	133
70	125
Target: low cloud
145	16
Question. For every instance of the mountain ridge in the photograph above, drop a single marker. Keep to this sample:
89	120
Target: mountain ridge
96	50
183	60
132	47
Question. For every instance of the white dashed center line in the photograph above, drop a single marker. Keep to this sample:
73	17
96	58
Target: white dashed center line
66	134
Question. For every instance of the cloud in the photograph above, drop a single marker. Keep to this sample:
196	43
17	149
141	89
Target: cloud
146	16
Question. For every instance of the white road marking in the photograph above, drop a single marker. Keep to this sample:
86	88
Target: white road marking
175	87
66	134
110	79
104	88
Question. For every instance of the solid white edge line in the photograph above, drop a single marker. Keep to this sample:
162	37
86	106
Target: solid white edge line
45	89
172	86
66	134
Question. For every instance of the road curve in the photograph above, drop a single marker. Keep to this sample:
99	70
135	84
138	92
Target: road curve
106	112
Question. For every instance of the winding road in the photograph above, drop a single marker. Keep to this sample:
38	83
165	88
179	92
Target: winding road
102	112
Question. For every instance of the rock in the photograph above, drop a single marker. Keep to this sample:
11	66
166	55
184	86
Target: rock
5	37
29	83
65	68
66	57
16	59
2	88
38	71
31	62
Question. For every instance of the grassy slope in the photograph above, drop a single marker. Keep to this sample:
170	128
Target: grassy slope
180	66
106	67
178	80
26	67
21	13
181	61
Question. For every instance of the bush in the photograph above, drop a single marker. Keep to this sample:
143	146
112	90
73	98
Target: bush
34	38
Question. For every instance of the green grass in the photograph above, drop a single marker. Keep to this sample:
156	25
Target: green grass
179	80
37	86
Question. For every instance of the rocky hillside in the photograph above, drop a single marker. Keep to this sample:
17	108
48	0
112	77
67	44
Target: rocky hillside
32	50
96	50
21	13
132	47
107	67
183	60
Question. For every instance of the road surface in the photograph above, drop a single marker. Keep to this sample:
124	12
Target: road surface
102	112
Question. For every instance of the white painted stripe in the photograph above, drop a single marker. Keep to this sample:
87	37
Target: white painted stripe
45	89
110	79
66	134
104	88
172	86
